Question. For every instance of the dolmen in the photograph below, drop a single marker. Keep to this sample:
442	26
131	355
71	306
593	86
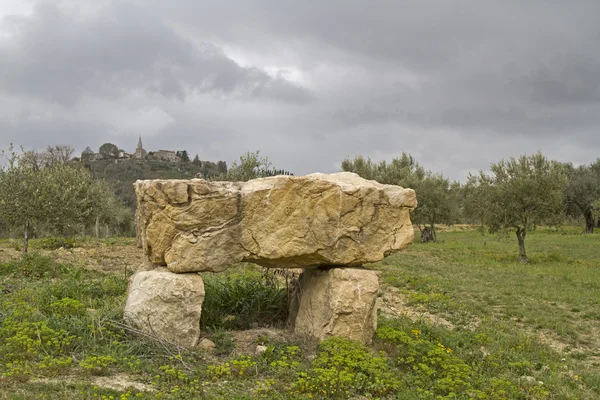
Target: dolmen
329	225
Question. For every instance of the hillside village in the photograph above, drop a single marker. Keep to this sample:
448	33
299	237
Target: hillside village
110	151
120	169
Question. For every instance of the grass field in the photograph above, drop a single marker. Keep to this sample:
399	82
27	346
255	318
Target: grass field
464	319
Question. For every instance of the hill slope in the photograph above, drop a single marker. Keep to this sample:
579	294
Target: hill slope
121	174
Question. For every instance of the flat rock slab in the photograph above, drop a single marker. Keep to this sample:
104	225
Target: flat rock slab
166	305
282	221
337	302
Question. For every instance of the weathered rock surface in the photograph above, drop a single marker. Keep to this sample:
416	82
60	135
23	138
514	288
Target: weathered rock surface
282	221
166	305
337	302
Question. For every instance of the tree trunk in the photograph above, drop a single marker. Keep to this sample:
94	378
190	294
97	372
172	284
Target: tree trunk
97	227
589	223
427	235
521	233
433	231
25	237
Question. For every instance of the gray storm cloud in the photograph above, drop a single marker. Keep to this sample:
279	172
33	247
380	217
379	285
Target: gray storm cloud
458	84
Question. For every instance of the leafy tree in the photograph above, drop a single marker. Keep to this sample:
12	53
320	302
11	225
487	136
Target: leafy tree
109	150
58	154
33	159
437	200
85	154
184	156
109	211
209	169
250	166
582	191
222	166
57	196
364	167
436	195
596	206
518	194
53	155
196	160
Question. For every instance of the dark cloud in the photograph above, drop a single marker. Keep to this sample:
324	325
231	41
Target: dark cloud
458	84
59	58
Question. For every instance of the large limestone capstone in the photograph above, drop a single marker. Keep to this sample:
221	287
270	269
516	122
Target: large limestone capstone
166	305
337	302
282	221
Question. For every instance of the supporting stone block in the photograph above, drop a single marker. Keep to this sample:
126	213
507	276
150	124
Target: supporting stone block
337	302
166	305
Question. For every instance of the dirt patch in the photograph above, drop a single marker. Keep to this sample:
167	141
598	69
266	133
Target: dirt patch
451	228
94	256
587	355
393	303
8	253
103	258
120	382
247	341
551	339
586	349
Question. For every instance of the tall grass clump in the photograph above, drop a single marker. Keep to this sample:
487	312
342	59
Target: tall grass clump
242	301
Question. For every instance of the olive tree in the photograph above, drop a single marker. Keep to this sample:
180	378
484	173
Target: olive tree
437	200
58	196
517	195
364	167
109	211
437	197
596	206
582	191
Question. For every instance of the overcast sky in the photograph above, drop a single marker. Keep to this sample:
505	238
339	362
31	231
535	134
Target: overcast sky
458	84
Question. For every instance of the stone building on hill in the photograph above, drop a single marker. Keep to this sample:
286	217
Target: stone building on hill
166	155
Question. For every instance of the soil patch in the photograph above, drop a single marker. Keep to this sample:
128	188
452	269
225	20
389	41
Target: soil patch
96	256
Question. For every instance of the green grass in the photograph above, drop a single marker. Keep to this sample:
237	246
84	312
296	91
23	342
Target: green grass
481	277
550	306
514	326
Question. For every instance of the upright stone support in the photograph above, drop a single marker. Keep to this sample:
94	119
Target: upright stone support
166	305
337	302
